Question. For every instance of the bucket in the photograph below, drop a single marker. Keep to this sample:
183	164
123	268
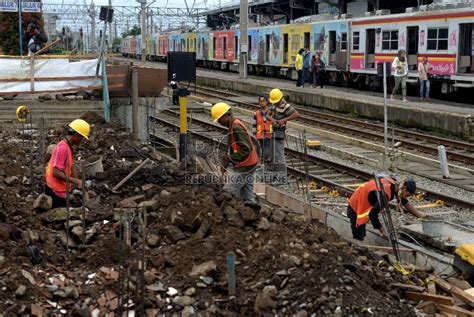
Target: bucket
432	227
94	166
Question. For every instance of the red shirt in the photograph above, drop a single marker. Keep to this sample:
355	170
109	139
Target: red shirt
60	162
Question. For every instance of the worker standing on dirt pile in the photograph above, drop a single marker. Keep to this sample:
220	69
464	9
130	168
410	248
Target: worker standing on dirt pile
364	206
281	113
241	153
61	164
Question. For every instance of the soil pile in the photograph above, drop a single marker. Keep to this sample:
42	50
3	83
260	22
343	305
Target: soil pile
285	265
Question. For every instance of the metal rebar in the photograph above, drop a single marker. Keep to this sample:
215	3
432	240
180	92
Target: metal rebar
67	213
83	204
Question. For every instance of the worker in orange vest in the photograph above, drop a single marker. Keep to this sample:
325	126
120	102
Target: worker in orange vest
263	129
60	169
364	206
241	154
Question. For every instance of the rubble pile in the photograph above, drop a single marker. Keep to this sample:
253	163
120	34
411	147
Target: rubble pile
285	264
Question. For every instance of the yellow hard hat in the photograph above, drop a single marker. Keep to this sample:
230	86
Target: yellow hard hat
275	95
81	127
21	113
218	110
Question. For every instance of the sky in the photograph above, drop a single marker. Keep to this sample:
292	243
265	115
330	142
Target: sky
161	3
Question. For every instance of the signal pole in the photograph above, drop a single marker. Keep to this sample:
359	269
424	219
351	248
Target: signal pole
92	15
243	20
143	18
111	38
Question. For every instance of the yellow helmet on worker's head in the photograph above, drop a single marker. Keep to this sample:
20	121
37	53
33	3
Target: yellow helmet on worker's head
218	110
275	95
81	127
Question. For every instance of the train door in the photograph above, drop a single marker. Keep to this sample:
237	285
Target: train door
214	47
285	48
267	48
249	48
332	47
307	40
236	47
412	46
187	45
370	48
261	50
224	46
466	48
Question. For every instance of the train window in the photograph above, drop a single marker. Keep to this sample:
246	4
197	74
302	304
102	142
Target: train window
343	41
438	39
355	41
295	42
390	40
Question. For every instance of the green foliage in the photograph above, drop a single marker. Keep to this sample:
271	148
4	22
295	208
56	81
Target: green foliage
9	37
135	30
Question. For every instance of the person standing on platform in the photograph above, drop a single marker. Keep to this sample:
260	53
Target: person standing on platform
423	73
241	154
299	68
400	68
281	113
307	67
364	206
263	130
60	169
318	70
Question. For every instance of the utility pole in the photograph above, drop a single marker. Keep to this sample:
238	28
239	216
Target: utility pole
111	38
143	20
243	20
92	15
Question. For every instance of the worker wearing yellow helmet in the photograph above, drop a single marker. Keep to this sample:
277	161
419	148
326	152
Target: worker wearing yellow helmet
241	154
61	164
281	113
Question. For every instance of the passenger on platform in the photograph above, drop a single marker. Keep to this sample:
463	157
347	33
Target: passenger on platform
423	73
299	68
281	113
263	130
364	206
400	68
34	39
307	67
319	69
61	164
241	154
174	86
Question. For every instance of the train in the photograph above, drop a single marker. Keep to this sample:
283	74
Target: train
353	48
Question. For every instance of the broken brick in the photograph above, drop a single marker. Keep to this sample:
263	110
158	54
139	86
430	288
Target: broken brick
174	233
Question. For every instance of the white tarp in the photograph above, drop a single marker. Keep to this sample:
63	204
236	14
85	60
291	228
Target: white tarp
11	69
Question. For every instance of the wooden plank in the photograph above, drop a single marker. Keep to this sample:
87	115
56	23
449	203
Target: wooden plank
408	287
427	307
431	288
439	299
454	290
456	310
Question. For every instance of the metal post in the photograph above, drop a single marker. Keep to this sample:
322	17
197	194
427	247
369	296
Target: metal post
94	44
244	11
111	38
443	160
135	101
183	122
20	29
143	18
231	278
385	116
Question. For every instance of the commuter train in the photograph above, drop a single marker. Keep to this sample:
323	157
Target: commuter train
353	48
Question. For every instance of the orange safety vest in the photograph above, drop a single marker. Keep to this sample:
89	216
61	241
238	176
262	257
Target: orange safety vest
264	128
252	159
55	184
359	200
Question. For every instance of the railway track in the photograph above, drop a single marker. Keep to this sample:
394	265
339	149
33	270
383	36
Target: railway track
458	151
321	171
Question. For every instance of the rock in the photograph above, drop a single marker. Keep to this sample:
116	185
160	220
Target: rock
169	262
295	260
149	205
233	217
282	273
43	203
277	216
201	285
190	291
204	228
206	280
3	260
222	197
203	269
174	233
67	292
127	203
28	276
20	291
271	290
165	194
11	180
156	287
264	302
78	232
301	313
183	301
172	291
247	214
153	240
177	219
323	250
150	277
263	224
60	215
188	311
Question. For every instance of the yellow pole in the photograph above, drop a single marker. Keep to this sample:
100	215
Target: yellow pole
183	121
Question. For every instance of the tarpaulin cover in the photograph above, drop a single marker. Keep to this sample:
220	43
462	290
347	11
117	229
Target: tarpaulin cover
15	75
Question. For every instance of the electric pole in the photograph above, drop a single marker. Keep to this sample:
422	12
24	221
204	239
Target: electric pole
143	20
243	20
92	15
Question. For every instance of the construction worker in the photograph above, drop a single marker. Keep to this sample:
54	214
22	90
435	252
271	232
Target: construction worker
281	113
241	154
60	169
364	206
263	129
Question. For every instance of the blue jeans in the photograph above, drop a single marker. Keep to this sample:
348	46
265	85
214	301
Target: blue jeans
422	87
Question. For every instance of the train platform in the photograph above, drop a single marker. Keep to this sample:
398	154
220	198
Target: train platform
457	119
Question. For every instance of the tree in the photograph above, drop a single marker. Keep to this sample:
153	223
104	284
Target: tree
9	36
135	30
